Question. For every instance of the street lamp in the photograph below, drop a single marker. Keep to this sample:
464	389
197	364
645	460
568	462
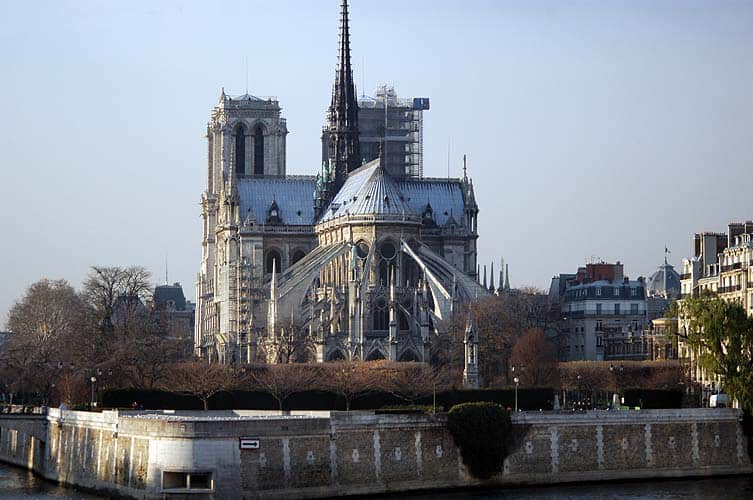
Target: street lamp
93	380
516	380
580	395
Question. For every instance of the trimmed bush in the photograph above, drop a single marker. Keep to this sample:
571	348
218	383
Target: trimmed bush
528	399
481	431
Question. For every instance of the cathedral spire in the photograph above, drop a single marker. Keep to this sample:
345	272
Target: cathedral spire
344	148
507	277
501	274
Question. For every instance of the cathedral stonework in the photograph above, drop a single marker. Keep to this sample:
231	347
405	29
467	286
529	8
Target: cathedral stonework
352	263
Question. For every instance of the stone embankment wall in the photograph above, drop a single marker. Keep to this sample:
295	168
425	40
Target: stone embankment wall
156	454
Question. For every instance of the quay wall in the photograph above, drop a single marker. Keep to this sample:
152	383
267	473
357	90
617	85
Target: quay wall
149	454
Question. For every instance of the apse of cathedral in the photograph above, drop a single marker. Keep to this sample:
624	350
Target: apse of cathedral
352	263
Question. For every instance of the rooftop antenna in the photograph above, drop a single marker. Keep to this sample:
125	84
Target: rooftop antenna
448	158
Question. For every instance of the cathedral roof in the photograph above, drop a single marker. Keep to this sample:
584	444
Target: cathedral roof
292	194
445	197
369	190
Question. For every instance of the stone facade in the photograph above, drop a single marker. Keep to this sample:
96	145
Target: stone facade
355	263
721	265
319	455
603	313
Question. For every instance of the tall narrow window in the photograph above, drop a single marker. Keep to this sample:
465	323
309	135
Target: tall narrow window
259	151
240	151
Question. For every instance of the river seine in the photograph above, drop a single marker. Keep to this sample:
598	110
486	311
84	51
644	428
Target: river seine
20	484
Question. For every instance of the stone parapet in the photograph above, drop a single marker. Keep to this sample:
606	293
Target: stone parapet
261	454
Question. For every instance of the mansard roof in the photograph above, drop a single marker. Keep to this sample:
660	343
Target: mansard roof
166	293
293	195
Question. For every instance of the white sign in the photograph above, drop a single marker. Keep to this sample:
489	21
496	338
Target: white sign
249	443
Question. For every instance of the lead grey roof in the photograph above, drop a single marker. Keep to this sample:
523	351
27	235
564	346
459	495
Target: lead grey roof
655	284
244	97
294	197
165	293
369	191
445	197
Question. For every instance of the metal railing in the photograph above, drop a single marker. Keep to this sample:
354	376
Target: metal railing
731	267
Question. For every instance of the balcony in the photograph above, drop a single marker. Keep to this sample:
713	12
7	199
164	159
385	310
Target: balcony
693	295
729	289
731	267
610	312
686	276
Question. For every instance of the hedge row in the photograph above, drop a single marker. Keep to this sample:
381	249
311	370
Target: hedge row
528	399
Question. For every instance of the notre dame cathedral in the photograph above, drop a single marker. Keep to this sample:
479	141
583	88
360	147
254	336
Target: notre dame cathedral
357	262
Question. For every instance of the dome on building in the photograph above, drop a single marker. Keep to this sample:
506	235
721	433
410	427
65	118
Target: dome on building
665	282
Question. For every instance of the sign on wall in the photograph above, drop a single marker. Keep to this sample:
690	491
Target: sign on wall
249	443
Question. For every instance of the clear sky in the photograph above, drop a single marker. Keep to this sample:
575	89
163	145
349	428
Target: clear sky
592	129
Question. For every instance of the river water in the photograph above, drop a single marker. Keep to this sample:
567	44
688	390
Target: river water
681	489
19	484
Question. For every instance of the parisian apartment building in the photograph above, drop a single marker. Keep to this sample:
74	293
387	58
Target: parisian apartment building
721	265
602	312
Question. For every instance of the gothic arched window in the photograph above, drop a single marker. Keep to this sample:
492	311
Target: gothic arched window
273	256
297	255
258	151
381	314
240	151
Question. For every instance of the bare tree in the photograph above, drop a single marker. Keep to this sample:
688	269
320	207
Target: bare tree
293	344
47	315
199	379
146	351
353	379
47	310
108	287
535	360
282	381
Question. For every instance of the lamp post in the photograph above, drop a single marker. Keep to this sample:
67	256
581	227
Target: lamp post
516	380
93	403
580	395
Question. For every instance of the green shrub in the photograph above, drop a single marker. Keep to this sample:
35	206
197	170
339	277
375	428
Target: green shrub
481	431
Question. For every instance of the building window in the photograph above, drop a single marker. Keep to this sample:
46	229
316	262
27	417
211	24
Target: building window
598	308
240	151
297	255
258	151
381	314
617	309
599	341
598	291
616	292
633	308
273	256
633	292
187	481
598	326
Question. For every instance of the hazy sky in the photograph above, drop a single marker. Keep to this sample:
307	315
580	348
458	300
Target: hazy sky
602	128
